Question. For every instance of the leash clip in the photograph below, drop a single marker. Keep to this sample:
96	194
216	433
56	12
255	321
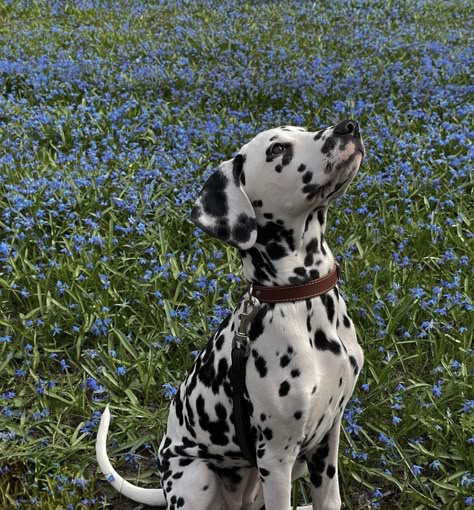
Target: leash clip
251	306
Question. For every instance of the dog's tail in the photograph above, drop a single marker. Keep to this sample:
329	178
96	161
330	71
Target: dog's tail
152	497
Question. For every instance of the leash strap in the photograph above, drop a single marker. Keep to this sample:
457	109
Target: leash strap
241	412
240	353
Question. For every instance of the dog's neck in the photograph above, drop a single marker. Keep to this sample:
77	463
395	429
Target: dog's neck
288	252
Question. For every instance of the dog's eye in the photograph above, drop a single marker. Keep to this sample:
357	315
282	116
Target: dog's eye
278	148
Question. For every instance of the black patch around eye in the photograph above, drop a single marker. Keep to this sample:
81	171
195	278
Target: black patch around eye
287	153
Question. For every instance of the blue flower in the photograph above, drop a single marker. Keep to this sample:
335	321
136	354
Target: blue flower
170	390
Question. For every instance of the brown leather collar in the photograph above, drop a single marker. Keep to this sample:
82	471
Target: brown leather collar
288	293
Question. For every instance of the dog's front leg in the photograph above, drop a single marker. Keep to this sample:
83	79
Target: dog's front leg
276	483
322	467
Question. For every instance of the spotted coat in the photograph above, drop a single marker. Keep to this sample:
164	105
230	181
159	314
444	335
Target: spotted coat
270	201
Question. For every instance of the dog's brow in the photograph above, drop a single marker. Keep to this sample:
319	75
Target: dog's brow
273	138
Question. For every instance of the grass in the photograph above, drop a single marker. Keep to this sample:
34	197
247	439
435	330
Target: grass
111	116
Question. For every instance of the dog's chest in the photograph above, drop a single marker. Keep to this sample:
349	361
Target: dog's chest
303	366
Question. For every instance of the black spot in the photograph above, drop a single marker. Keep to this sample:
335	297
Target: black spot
284	360
309	259
298	415
324	344
268	215
328	303
268	434
310	189
316	479
284	388
222	231
329	145
237	167
301	168
275	232
243	228
354	364
263	417
260	363
220	342
319	134
321	216
331	471
264	472
217	429
278	168
295	373
346	321
214	199
276	251
300	271
307	177
312	246
340	382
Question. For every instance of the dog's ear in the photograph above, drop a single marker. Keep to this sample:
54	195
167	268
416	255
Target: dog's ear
223	210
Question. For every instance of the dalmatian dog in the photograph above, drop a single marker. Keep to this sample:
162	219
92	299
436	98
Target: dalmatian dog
270	201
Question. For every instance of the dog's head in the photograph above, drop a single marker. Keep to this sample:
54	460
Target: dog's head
286	171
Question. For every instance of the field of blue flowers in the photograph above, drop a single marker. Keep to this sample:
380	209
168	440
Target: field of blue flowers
112	113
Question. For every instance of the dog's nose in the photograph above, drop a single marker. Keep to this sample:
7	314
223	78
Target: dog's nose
347	127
